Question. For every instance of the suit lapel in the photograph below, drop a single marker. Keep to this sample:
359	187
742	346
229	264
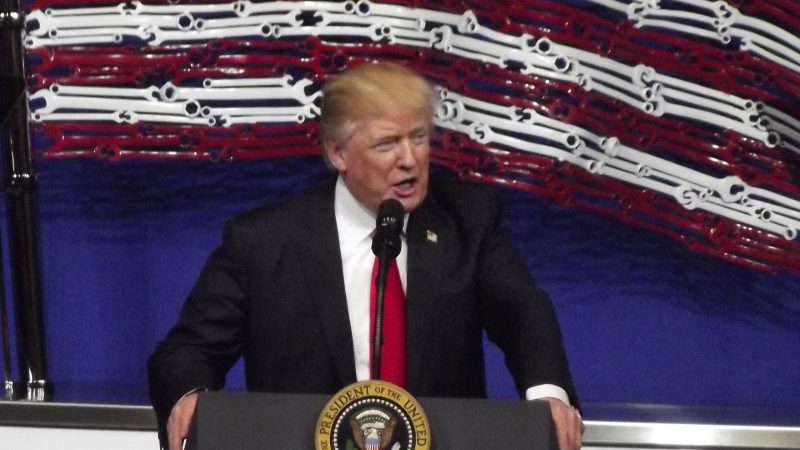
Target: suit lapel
322	264
425	262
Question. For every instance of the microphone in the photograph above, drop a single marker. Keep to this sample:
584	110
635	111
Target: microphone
388	226
386	246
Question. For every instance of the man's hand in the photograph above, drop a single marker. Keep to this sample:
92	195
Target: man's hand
179	420
569	425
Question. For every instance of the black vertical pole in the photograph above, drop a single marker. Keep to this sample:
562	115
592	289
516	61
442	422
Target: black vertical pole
21	197
9	388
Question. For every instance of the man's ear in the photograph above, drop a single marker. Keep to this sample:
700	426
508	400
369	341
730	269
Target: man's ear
333	153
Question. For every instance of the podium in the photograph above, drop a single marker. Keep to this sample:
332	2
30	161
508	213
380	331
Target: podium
266	421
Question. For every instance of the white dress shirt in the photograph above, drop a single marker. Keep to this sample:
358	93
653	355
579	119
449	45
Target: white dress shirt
355	224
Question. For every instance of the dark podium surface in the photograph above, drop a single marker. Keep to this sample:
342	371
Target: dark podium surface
114	399
609	425
630	426
286	421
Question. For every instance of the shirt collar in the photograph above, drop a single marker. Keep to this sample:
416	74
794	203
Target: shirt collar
354	221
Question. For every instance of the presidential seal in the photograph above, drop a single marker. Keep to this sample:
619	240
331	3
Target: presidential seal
372	415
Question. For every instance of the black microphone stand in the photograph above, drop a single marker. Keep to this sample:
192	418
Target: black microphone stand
380	288
386	246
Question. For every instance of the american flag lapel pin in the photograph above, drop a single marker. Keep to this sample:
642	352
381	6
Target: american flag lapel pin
432	237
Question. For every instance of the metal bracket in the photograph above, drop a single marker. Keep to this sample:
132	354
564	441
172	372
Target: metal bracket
10	20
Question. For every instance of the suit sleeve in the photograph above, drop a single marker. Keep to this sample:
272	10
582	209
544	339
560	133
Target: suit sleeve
208	337
518	315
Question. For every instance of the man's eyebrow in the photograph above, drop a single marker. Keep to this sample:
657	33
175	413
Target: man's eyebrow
394	136
388	137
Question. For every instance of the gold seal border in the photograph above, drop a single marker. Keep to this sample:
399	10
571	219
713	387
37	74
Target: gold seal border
372	389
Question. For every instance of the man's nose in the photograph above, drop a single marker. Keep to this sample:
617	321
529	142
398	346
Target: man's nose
405	154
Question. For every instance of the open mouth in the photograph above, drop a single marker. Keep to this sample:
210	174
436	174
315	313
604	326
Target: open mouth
405	187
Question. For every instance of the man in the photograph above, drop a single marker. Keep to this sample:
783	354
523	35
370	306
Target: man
289	288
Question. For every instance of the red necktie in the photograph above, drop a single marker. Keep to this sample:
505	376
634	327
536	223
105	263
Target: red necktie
393	351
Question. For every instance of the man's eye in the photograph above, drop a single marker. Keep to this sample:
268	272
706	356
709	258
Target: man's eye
420	138
384	145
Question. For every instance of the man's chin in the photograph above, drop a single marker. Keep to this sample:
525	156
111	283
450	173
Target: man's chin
410	203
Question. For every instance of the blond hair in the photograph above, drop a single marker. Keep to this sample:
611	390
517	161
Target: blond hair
372	90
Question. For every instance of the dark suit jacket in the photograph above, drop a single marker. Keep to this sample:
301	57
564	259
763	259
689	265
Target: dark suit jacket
273	292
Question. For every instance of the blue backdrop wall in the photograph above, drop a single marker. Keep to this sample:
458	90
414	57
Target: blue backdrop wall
644	319
707	117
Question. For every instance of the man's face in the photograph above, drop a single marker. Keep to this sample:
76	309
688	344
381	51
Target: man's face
385	158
